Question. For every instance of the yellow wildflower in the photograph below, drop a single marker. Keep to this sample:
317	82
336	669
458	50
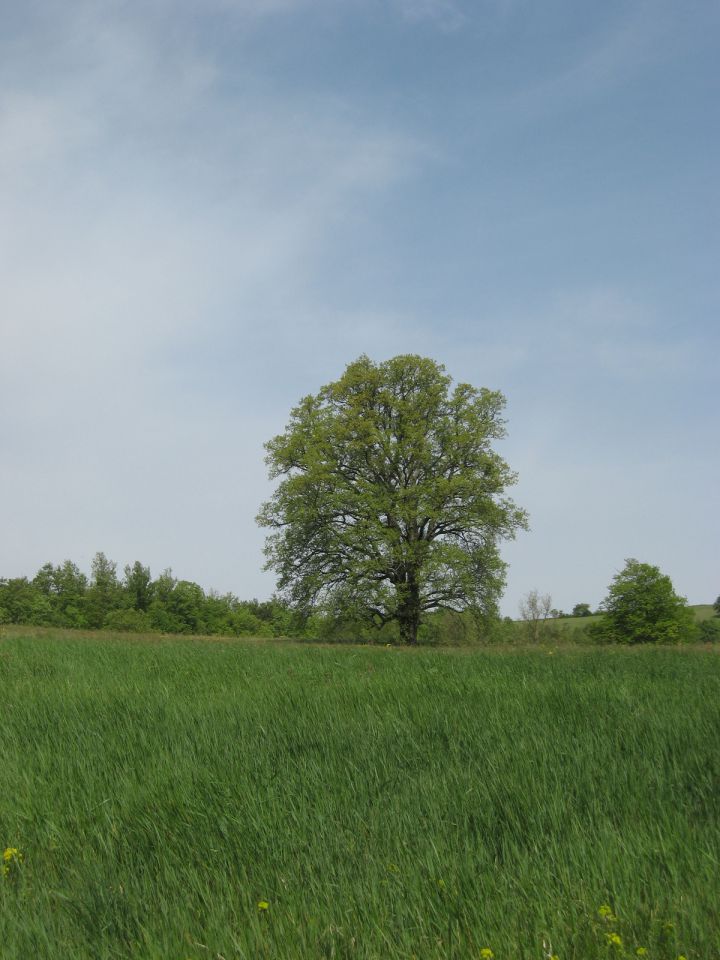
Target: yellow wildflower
12	858
641	952
613	940
605	911
263	905
487	954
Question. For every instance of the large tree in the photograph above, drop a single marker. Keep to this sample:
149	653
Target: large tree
391	501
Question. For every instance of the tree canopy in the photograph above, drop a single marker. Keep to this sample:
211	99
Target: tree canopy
642	606
391	501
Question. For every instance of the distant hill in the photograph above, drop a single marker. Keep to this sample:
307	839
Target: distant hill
702	611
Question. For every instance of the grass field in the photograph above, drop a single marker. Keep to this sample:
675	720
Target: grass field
178	798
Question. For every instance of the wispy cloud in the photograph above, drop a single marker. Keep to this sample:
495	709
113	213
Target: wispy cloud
145	218
102	215
447	14
593	66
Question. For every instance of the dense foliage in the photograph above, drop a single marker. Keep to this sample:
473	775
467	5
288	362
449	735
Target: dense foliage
62	596
642	607
391	502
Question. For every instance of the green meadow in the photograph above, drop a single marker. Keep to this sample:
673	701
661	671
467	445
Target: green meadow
209	799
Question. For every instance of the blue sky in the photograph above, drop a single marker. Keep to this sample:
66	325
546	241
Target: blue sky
207	209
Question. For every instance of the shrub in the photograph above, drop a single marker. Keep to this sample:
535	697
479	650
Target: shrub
244	624
128	621
709	631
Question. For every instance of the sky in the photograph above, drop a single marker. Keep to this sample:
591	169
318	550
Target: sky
208	208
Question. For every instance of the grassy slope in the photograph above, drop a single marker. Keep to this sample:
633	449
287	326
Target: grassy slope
386	803
576	625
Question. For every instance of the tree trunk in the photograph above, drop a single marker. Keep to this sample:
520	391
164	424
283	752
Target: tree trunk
409	612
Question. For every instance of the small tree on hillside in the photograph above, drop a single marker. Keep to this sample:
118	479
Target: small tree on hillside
535	608
716	607
642	607
582	610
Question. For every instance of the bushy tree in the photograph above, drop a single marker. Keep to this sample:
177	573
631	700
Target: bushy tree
158	611
243	623
709	631
186	604
65	589
23	602
391	501
137	584
582	610
105	593
642	607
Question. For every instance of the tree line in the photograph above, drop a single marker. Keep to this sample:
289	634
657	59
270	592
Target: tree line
641	606
61	595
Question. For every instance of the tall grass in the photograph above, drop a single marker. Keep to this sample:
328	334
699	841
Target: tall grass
383	803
